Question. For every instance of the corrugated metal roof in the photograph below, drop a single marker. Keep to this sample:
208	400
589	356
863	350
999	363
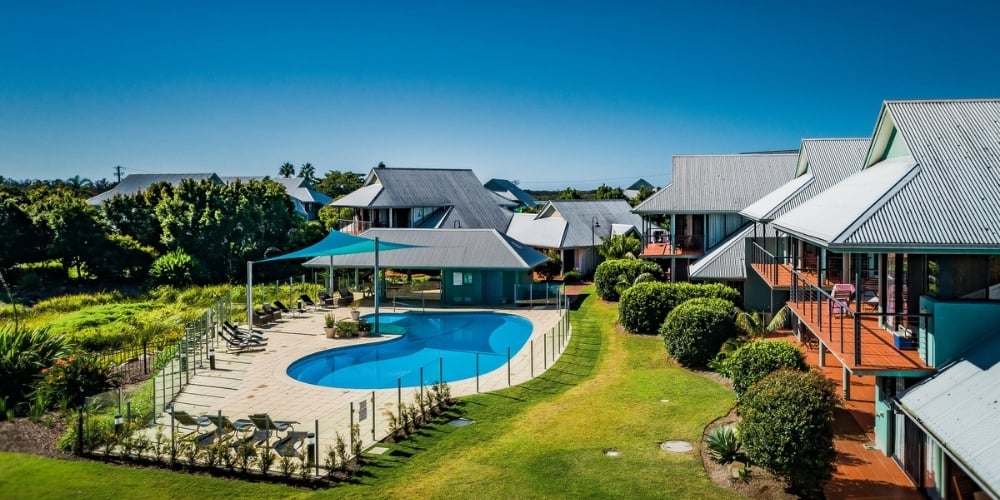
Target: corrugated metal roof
829	161
761	209
960	407
720	183
443	249
726	262
579	215
135	183
546	232
510	191
472	205
951	203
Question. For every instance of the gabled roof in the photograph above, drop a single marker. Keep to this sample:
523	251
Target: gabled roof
136	183
639	184
726	262
571	221
510	191
719	183
470	204
940	194
959	407
443	249
821	164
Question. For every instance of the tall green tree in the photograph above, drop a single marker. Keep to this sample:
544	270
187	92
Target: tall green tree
286	170
336	183
569	194
307	171
76	234
21	241
604	192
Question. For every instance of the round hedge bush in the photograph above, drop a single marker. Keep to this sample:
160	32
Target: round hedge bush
787	428
756	360
644	306
610	272
694	330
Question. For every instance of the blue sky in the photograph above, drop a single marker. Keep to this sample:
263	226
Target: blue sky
552	94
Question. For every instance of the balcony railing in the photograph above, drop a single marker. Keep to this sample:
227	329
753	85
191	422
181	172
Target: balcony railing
778	271
657	245
857	335
353	226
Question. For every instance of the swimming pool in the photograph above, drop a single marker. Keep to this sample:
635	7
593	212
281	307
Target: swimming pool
442	344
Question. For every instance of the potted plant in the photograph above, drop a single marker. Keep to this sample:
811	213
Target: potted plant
347	328
355	310
364	327
330	327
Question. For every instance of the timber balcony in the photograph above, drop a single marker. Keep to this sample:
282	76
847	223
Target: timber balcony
658	244
843	322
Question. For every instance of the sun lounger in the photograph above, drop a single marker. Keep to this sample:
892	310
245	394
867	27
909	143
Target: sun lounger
327	299
289	445
307	301
242	344
261	318
281	307
238	333
190	423
346	297
263	422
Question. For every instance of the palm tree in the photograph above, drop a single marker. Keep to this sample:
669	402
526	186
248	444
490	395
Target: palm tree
286	170
753	326
620	246
308	171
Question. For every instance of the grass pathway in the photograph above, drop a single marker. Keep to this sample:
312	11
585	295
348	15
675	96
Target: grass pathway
543	439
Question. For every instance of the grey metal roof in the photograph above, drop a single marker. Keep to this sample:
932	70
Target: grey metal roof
443	249
471	204
720	183
827	161
546	232
579	216
136	183
951	202
726	262
510	191
960	407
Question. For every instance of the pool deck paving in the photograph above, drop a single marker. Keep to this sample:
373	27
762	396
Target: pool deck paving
256	382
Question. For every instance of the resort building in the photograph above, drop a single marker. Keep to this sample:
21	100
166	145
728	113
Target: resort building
477	267
428	198
700	209
514	197
575	228
894	273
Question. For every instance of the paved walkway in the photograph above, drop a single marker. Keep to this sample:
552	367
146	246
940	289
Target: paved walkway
256	382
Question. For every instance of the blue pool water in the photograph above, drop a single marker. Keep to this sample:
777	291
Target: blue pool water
443	344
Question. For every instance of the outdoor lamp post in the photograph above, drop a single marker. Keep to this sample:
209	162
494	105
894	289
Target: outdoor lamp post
594	224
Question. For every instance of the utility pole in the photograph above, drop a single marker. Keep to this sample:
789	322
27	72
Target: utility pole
118	173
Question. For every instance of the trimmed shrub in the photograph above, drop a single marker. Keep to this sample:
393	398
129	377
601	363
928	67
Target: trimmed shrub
645	306
694	330
610	272
756	360
787	428
572	277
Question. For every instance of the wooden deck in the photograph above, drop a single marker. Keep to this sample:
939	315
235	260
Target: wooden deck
779	276
836	330
654	250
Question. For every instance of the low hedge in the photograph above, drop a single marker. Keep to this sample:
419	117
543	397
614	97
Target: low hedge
695	330
644	306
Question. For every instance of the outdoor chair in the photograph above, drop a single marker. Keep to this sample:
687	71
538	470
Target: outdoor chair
273	311
327	299
260	318
841	294
189	422
240	345
289	445
263	422
237	333
307	301
281	307
346	297
226	429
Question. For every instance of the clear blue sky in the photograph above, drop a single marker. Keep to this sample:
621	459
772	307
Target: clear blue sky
552	94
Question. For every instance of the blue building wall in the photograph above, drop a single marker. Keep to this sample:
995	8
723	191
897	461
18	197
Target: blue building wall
954	327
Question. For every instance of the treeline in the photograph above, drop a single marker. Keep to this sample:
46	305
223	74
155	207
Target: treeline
194	232
603	192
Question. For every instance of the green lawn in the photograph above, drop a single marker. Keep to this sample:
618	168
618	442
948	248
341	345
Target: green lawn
544	439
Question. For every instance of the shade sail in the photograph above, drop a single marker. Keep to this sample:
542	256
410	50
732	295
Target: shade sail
338	243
